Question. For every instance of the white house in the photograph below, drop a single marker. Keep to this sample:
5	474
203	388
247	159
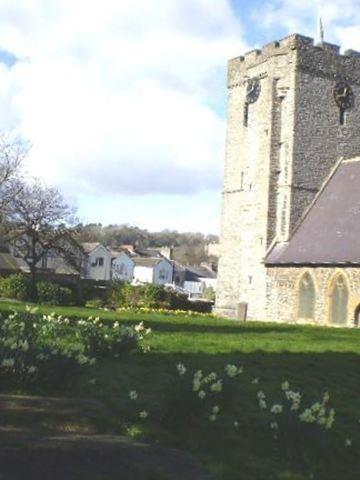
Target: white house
197	279
98	261
153	270
122	266
51	261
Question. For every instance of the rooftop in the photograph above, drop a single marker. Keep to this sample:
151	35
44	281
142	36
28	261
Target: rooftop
8	262
329	233
89	246
147	261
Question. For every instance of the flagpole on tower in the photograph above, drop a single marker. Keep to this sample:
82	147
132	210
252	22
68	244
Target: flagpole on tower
321	30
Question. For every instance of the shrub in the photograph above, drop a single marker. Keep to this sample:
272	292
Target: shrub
52	294
154	296
124	295
200	306
209	294
93	290
117	293
95	303
15	286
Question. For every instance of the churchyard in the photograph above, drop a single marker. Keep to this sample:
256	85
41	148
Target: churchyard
247	400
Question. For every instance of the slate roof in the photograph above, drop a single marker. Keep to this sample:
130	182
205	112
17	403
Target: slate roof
329	233
8	262
146	261
195	274
89	246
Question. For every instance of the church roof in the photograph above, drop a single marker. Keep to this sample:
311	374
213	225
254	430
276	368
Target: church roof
329	233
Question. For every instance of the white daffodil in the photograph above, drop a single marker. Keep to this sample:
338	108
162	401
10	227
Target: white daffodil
180	367
133	395
8	362
202	394
307	416
285	386
216	387
262	404
196	385
276	409
231	370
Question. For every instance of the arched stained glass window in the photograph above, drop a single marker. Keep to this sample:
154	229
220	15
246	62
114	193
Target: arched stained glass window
306	297
339	296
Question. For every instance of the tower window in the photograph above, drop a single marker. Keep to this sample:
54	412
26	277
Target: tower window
246	114
342	116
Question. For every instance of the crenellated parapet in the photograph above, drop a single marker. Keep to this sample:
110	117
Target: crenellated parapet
322	59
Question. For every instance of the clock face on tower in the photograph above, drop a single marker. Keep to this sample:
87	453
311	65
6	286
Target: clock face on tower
252	90
343	95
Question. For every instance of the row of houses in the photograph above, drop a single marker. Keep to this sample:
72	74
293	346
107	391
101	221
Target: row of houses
127	264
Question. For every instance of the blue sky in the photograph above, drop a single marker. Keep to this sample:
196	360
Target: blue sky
124	103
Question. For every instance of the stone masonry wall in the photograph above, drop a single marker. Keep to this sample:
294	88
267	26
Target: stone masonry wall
283	293
275	165
319	139
251	165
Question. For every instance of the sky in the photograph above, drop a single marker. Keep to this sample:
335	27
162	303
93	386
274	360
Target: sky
124	101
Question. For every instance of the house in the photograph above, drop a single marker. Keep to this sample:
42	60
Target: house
52	262
179	273
122	266
156	270
98	261
197	279
290	248
8	264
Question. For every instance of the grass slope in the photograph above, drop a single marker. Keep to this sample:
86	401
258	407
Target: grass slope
312	359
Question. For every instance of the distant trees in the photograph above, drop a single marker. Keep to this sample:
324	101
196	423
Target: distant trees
188	247
38	222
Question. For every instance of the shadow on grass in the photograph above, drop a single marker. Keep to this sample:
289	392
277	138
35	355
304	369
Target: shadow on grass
251	452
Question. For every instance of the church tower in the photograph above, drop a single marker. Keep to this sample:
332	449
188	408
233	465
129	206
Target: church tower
293	111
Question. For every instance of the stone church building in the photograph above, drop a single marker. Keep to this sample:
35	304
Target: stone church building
290	233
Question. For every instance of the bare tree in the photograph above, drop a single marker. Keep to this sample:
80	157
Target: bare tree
38	222
12	154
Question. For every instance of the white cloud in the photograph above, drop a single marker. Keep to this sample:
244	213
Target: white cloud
341	19
115	95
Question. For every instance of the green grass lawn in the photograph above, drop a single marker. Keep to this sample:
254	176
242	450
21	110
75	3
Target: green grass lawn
312	359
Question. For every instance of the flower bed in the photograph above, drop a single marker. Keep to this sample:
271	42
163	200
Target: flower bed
50	349
166	311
